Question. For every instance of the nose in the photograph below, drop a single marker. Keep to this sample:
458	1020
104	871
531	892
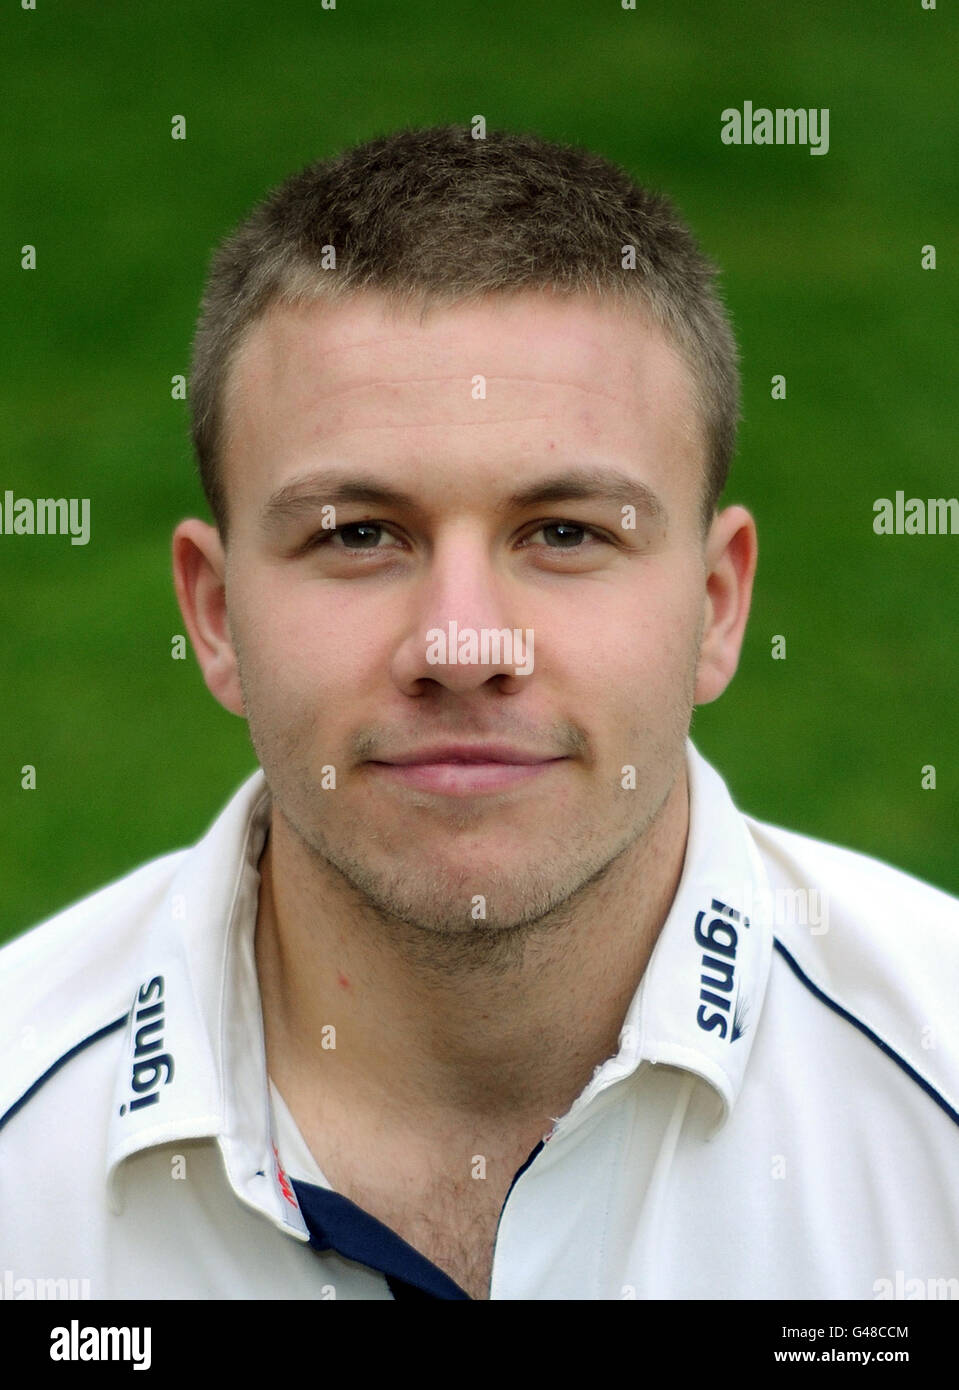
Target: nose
464	627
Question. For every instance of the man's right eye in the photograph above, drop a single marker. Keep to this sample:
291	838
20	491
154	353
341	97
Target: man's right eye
365	533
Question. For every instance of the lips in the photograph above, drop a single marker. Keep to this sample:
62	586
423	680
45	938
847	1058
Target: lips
461	753
464	770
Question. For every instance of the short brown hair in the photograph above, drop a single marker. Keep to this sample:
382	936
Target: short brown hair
437	216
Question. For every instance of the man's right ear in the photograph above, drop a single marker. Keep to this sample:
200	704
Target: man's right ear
199	568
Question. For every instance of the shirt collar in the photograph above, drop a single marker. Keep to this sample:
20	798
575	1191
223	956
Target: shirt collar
196	1015
699	1001
193	1063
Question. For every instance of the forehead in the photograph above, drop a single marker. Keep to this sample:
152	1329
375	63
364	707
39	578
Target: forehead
470	395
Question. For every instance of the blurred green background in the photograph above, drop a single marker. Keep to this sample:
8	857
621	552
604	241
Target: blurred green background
821	261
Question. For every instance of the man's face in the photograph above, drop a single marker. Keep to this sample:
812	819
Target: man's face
331	631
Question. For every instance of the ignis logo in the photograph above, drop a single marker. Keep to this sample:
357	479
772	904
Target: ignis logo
720	1008
151	1067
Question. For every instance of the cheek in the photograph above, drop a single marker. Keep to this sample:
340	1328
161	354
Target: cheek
637	651
301	656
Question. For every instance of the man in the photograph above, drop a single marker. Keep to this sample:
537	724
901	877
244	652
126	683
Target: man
481	986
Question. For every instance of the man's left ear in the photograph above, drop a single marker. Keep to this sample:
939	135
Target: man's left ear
731	552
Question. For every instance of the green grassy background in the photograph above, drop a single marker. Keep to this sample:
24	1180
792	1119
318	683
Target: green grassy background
821	259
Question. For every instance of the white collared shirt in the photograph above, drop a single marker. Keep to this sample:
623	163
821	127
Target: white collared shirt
781	1119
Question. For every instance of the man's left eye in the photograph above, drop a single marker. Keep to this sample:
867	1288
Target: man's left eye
568	534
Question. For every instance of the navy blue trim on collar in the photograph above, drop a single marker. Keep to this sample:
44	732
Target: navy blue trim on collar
910	1071
336	1223
61	1061
403	1292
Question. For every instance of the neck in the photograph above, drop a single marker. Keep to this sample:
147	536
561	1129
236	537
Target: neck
506	1030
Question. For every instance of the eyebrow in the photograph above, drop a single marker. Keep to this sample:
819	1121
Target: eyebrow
332	487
